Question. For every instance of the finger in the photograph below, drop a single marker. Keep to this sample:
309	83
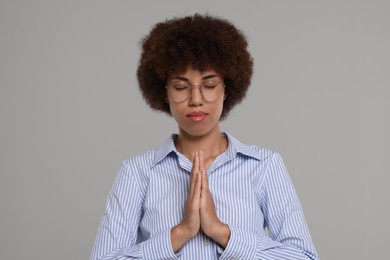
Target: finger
205	180
191	190
203	171
193	177
201	160
195	163
198	185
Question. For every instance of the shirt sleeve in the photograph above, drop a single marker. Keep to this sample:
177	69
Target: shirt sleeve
118	231
289	236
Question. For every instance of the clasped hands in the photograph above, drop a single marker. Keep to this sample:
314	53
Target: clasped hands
199	212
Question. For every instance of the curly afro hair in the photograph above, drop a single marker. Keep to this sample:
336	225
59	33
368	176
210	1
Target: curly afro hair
202	42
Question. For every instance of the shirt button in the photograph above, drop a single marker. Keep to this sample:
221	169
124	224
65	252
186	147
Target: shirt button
206	242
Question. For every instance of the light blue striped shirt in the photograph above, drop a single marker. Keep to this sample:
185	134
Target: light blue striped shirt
251	190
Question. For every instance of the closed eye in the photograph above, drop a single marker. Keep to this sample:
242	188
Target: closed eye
178	85
210	84
181	87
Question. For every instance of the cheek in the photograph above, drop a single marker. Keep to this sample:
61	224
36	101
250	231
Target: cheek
220	107
175	111
172	109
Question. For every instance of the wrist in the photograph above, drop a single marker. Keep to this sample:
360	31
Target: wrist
179	236
221	234
184	232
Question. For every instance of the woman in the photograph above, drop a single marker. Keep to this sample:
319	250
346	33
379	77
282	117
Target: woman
202	194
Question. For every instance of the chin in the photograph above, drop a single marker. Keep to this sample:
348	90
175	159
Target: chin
197	131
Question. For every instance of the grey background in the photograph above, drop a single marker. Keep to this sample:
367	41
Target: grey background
71	112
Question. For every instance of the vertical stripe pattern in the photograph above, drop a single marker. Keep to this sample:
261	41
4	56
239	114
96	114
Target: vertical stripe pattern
251	190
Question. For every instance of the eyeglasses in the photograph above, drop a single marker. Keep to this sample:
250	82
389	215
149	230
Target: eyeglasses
180	90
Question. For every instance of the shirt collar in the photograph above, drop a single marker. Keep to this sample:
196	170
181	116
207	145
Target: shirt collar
234	147
165	149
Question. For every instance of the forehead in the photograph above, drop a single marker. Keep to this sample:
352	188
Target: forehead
194	74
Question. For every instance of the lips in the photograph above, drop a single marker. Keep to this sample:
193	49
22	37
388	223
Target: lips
197	116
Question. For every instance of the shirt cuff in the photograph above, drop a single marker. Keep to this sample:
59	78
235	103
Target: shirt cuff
159	247
241	245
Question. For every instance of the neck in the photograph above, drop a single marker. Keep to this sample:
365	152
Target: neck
211	145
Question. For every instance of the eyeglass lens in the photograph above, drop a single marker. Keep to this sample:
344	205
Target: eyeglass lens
180	90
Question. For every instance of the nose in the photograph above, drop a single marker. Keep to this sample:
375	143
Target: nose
196	98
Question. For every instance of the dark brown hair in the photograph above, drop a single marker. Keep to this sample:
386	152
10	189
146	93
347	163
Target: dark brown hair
202	42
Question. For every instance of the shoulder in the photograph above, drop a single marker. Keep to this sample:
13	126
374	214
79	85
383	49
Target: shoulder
144	163
141	161
263	152
257	152
270	159
134	171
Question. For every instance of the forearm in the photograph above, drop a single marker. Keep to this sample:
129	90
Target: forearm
247	245
179	237
157	247
221	234
270	249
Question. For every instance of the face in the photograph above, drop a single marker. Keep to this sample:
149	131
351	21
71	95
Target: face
197	116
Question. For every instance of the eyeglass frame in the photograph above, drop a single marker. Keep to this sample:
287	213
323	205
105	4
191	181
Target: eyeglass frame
191	86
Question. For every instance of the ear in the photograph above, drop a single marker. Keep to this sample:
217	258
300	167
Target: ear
166	99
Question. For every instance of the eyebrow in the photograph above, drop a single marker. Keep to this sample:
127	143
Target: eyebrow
203	78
